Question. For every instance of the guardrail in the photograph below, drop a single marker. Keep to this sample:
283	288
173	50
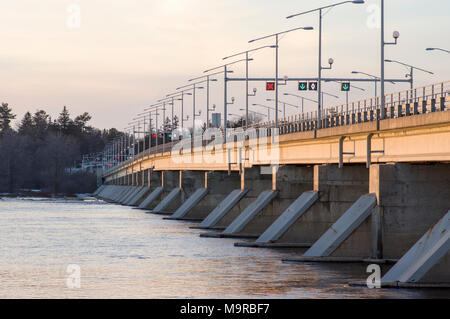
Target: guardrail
422	100
416	101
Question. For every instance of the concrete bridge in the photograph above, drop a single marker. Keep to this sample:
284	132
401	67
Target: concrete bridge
352	186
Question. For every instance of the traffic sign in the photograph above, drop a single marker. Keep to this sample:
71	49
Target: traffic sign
302	86
345	87
270	86
312	86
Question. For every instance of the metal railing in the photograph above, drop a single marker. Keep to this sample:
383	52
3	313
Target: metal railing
422	100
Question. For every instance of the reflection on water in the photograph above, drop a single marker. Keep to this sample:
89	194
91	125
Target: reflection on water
126	253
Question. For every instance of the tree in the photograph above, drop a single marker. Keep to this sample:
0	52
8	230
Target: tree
81	121
64	121
40	153
167	125
176	122
26	126
41	123
57	153
6	116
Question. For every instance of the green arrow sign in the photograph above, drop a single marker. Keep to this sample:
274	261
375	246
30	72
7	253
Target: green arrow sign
302	86
345	87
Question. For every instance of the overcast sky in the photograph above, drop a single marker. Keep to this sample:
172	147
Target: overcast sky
126	54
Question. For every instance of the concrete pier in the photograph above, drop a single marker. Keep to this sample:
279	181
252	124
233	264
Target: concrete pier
218	184
338	189
289	182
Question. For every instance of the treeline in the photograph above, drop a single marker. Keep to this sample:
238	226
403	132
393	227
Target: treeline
38	152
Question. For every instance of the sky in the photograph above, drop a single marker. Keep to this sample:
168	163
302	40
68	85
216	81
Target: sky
113	58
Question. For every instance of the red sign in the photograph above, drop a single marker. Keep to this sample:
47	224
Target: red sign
270	86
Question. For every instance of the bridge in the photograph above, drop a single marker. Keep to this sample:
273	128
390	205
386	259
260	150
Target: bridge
358	184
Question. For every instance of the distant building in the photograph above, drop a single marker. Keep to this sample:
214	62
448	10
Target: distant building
216	120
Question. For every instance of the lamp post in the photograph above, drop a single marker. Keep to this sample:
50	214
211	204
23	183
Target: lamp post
284	105
149	114
193	87
267	107
143	117
155	107
302	99
346	92
320	68
254	112
247	94
372	76
395	35
439	49
412	68
277	35
182	94
225	91
329	94
172	98
208	80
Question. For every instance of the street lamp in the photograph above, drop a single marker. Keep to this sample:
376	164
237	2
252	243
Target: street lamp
268	109
208	79
150	129
225	93
432	49
320	68
182	94
411	74
302	99
284	105
246	76
193	87
254	112
277	35
395	35
154	108
346	92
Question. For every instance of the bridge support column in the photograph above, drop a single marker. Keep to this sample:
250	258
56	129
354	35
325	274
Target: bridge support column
218	185
410	200
289	182
339	189
255	182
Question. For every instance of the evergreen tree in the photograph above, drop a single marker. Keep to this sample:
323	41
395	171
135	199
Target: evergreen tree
6	116
26	126
41	123
81	121
64	122
176	122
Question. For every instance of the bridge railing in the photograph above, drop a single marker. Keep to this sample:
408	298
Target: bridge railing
421	100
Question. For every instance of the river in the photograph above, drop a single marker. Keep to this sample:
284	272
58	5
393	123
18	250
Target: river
123	252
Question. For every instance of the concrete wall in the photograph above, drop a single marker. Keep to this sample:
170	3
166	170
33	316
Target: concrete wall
256	183
219	185
338	189
171	181
291	182
440	272
412	198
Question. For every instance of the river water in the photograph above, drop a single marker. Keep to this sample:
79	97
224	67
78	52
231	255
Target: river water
123	252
